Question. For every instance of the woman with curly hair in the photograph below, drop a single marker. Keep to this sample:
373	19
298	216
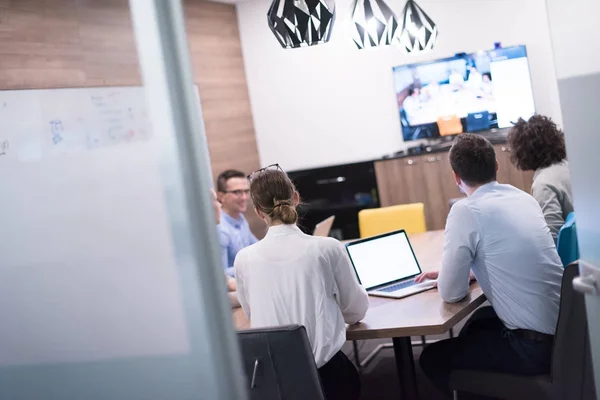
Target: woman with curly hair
538	145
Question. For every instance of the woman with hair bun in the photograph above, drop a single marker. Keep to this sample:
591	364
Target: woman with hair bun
293	278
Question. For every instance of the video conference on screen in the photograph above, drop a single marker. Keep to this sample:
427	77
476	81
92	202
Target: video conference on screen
469	93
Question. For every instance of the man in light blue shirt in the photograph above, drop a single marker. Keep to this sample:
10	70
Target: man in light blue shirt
499	233
234	231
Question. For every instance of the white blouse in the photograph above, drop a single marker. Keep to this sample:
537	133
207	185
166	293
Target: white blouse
293	278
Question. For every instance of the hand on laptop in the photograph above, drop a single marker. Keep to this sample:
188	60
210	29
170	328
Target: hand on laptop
432	275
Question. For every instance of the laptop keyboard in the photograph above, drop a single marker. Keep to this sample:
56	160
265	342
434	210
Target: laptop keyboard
398	286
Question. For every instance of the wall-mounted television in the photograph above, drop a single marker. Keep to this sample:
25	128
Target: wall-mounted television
466	93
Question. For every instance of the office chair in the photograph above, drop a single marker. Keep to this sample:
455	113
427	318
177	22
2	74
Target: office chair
479	121
571	375
449	125
566	245
408	132
279	364
375	221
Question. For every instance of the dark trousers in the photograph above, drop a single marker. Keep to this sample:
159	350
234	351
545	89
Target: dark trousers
485	344
340	379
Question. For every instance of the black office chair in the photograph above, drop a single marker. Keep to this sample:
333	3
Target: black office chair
571	377
279	364
479	121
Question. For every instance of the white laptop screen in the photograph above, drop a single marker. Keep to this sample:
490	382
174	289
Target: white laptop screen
384	259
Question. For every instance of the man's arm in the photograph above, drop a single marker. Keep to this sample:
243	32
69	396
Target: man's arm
461	239
224	242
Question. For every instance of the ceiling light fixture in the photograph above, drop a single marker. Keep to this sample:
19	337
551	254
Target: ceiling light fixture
419	32
301	23
375	24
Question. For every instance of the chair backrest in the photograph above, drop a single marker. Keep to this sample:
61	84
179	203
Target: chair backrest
479	121
404	118
279	364
375	221
449	125
571	363
567	245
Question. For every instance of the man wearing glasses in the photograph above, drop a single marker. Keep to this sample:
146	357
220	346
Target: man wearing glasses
233	193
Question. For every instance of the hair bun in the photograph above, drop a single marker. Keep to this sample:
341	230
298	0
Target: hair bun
285	212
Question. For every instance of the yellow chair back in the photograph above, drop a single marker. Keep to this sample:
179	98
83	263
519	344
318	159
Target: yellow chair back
375	221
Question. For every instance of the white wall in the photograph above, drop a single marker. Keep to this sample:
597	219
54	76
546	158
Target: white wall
334	104
575	33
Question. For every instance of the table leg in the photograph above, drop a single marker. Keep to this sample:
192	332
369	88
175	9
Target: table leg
405	367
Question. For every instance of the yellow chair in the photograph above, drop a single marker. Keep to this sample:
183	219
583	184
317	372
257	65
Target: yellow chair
375	221
449	125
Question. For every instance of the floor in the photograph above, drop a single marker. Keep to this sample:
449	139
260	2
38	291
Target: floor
379	379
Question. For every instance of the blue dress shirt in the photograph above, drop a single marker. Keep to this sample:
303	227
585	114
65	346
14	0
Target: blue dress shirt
499	232
234	235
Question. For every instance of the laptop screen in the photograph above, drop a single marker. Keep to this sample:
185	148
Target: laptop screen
383	259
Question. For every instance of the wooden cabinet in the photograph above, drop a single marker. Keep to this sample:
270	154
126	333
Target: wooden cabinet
399	181
428	179
414	180
508	173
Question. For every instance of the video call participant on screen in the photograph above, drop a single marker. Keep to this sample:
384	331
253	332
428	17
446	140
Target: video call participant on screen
293	278
234	231
412	103
499	233
538	145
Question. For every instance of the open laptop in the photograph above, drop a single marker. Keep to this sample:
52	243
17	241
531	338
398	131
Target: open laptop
386	265
324	227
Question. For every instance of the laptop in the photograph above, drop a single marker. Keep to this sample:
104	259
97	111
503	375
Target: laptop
324	227
386	265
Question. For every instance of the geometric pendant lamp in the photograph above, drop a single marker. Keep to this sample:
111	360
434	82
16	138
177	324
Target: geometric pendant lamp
300	23
375	24
419	32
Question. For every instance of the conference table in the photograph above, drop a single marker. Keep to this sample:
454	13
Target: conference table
399	319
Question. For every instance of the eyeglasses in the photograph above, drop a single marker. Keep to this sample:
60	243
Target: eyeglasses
268	167
238	193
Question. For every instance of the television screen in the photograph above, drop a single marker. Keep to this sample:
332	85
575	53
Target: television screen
468	93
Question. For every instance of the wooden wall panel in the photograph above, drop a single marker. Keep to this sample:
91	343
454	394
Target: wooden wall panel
82	43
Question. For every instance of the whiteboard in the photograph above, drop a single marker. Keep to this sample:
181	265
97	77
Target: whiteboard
83	216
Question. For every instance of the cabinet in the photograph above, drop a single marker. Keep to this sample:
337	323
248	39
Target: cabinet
508	173
429	179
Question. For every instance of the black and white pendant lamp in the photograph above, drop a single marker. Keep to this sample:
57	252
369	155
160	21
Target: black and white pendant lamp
419	32
375	24
301	23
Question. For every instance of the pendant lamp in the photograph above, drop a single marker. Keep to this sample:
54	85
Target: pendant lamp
375	24
301	23
419	32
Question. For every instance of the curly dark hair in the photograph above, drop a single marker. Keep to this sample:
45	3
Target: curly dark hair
473	159
535	144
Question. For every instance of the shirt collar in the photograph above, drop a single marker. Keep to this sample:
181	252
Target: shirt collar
283	230
237	223
486	187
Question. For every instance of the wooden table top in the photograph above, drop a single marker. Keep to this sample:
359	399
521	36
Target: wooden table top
421	314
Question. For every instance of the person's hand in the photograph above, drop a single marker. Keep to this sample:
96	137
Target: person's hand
427	275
